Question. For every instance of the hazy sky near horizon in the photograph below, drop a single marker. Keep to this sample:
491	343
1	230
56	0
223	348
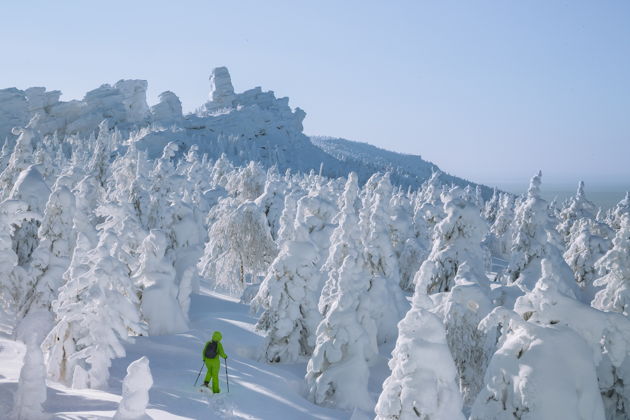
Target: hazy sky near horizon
488	90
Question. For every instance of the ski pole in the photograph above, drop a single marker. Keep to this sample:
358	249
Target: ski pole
199	374
227	378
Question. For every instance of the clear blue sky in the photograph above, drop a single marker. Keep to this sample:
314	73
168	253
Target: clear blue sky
489	90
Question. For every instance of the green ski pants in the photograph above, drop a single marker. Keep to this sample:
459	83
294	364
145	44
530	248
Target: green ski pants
214	366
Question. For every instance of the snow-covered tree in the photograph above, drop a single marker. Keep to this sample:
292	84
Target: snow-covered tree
422	383
411	246
52	256
382	260
587	245
538	372
240	245
535	238
615	294
162	185
21	157
578	207
247	183
30	188
337	373
462	309
14	281
457	240
491	207
95	310
500	240
289	293
607	334
429	209
271	201
135	391
31	391
156	276
616	214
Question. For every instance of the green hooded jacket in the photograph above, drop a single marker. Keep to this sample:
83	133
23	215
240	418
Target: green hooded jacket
216	337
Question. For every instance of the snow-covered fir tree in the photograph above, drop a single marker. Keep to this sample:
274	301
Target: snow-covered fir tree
52	256
616	214
422	383
97	308
615	283
21	157
500	240
14	280
338	371
457	240
156	278
382	261
538	372
462	309
606	334
578	207
535	238
588	243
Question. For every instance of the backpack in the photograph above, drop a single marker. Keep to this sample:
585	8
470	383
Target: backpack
211	350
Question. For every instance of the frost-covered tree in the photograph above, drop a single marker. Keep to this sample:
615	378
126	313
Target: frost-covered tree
607	334
156	277
410	245
578	207
289	293
52	256
422	383
462	309
491	207
135	391
535	238
617	213
240	244
587	245
538	372
88	195
271	201
429	209
337	373
95	310
31	391
457	240
121	219
247	183
382	259
30	188
14	280
500	240
21	157
161	187
615	283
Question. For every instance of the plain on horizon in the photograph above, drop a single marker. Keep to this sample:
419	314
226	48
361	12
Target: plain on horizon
490	91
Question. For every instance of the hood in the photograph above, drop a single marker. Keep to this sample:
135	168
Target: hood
216	336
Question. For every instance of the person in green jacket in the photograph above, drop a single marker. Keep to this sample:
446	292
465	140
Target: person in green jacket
213	364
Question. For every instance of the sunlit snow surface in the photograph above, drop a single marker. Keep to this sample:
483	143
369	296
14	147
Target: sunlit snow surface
257	390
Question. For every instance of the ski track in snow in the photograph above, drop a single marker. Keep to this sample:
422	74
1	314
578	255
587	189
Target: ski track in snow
257	390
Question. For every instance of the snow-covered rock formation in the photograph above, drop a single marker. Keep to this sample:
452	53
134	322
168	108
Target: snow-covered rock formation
251	125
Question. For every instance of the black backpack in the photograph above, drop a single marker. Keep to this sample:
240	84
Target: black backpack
211	350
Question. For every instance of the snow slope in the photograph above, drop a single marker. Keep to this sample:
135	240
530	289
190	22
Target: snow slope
257	390
406	170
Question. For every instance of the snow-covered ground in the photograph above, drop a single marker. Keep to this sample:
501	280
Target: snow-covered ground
257	390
